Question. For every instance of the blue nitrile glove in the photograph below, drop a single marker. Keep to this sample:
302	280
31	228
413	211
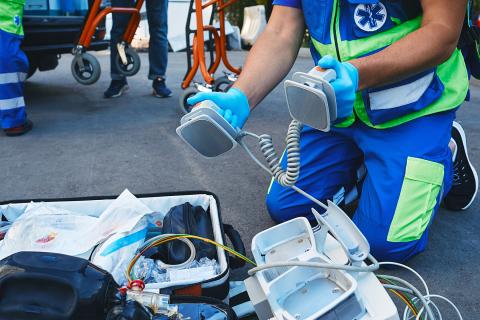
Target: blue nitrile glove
234	105
345	85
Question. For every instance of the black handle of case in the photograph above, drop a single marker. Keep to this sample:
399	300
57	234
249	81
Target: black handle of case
238	245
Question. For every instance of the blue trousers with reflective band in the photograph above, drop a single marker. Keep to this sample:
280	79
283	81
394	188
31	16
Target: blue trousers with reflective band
408	167
13	72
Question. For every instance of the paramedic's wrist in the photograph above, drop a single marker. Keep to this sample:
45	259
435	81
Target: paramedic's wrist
234	105
345	85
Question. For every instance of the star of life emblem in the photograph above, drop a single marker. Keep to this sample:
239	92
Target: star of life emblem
16	20
370	17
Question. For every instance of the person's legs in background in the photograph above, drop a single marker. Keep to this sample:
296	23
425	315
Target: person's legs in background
13	71
157	15
119	84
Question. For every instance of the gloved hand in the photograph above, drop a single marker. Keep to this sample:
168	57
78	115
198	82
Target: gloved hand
234	105
345	85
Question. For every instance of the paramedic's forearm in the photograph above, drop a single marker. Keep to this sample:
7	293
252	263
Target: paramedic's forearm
429	46
273	54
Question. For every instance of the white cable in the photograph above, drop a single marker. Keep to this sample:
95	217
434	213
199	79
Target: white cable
163	265
416	292
398	288
408	316
276	165
410	269
447	300
406	313
371	268
289	177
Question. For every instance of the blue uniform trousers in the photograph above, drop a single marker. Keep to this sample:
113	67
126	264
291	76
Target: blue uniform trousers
408	168
157	15
13	72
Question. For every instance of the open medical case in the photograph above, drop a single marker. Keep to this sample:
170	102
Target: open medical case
217	286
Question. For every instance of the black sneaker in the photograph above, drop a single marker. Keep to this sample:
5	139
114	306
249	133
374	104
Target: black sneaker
116	89
20	130
160	89
465	179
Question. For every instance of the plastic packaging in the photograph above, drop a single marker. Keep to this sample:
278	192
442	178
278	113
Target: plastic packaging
45	227
4	226
117	251
151	272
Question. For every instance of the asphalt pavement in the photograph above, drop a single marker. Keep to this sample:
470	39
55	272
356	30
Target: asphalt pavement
84	145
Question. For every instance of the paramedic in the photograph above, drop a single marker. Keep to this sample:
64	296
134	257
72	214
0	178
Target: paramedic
157	50
400	79
13	69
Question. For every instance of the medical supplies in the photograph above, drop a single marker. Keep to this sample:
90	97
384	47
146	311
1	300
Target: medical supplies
118	229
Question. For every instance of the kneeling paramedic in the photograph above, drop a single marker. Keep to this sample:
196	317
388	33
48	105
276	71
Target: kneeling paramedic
400	79
13	69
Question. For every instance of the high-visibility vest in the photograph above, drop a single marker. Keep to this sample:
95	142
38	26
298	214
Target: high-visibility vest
11	15
349	29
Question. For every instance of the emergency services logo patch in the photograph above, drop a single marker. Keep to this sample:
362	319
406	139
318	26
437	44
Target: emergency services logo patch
16	20
370	17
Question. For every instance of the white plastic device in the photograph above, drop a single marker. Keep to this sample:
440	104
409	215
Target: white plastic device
300	293
206	131
311	98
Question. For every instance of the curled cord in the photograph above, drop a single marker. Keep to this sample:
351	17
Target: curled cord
270	171
289	177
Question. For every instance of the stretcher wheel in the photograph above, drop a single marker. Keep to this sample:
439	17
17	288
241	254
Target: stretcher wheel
184	106
86	69
133	63
222	84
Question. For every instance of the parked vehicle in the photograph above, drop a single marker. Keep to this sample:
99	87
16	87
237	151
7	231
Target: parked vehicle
52	28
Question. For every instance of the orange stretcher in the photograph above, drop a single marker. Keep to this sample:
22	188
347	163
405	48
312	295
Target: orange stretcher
198	43
216	45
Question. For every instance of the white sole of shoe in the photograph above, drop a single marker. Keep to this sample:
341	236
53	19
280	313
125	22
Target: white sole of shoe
155	94
121	92
464	141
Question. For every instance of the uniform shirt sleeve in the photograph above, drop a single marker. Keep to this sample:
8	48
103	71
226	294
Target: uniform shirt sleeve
288	3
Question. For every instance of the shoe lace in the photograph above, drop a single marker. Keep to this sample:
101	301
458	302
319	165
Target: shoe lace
460	175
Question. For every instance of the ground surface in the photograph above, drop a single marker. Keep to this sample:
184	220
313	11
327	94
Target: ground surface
85	145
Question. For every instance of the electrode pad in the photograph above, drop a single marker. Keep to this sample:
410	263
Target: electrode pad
206	131
311	98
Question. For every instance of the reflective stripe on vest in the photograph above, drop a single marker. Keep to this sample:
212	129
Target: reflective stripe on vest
401	95
451	74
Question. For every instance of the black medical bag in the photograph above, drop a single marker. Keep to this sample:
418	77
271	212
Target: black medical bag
50	286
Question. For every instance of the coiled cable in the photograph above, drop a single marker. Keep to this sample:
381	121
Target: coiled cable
289	177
